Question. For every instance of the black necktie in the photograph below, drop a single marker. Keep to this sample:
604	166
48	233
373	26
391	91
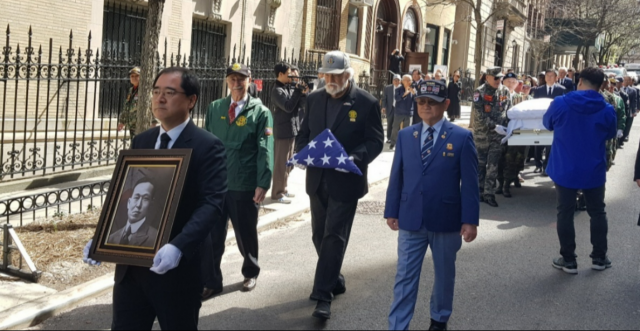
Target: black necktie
164	141
125	238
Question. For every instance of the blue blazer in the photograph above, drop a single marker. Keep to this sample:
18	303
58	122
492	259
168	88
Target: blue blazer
404	105
446	194
541	91
568	84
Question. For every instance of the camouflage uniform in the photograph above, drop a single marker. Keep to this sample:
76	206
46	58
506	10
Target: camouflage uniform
490	107
618	105
129	114
514	158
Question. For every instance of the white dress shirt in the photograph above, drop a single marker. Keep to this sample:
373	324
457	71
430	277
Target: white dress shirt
395	88
425	134
549	90
173	133
241	104
134	227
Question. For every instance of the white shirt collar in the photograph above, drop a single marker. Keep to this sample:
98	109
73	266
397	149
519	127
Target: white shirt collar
135	226
241	104
173	133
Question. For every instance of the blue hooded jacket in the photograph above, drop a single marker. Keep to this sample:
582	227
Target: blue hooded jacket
582	122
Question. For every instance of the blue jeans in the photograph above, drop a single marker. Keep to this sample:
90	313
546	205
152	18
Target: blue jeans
412	247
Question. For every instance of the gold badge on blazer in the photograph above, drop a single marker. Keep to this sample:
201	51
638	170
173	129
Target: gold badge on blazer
415	134
353	115
449	147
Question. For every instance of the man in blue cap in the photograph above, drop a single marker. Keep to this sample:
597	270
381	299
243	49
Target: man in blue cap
438	210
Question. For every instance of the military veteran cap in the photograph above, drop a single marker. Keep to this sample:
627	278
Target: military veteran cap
135	70
335	63
238	68
495	72
432	89
510	75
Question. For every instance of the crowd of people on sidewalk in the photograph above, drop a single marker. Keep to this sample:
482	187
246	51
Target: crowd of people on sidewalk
440	174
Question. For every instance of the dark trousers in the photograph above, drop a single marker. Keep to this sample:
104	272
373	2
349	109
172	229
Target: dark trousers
174	298
627	128
539	162
243	212
390	123
283	153
331	223
599	224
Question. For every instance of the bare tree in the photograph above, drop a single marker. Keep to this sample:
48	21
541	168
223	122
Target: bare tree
149	63
476	20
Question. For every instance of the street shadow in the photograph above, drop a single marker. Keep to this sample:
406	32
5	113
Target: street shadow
229	289
292	315
94	317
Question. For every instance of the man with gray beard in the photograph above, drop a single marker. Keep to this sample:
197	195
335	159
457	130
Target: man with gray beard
354	118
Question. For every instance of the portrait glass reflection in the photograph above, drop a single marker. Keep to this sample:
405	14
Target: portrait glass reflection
140	207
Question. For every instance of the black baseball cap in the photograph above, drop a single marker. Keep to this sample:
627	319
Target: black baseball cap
510	75
432	89
238	68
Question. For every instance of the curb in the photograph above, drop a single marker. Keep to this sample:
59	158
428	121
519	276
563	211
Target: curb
34	312
37	311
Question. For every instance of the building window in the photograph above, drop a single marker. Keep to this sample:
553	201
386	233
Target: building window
367	41
446	42
207	42
353	30
264	48
123	30
328	24
433	32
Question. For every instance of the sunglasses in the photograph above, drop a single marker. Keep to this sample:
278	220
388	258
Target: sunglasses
428	102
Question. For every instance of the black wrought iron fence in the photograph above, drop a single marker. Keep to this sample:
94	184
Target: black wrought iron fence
59	108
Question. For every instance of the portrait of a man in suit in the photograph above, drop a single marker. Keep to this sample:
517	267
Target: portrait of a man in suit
138	231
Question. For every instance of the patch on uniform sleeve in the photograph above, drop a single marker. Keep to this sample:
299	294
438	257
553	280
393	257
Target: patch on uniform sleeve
488	98
268	132
476	97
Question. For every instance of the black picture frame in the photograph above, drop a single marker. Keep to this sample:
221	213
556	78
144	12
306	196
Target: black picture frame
143	198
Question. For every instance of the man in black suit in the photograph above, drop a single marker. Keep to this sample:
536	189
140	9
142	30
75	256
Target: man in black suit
171	290
138	231
550	90
565	81
353	116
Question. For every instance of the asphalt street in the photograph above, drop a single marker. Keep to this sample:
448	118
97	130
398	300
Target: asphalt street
505	278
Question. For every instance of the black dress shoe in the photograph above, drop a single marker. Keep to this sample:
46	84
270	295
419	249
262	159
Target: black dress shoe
506	192
249	284
491	202
340	288
437	326
323	310
538	170
210	293
544	173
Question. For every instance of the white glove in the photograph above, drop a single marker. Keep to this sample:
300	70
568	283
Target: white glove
167	258
501	130
620	134
85	255
345	171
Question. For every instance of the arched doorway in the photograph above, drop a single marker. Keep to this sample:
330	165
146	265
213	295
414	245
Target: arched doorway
386	33
410	32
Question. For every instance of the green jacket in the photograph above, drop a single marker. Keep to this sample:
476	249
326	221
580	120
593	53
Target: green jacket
248	142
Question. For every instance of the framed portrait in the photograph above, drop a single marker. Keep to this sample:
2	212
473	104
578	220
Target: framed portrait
138	214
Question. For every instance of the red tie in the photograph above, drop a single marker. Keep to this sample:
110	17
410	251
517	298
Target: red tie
232	112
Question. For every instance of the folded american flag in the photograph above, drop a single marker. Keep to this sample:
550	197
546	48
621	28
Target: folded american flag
325	152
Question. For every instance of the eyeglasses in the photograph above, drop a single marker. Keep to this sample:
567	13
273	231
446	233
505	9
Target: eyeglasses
428	102
167	93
